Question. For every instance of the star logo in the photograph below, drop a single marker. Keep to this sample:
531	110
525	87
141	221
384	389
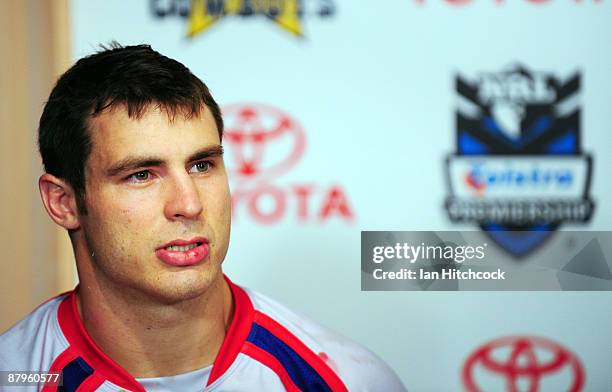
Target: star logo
205	13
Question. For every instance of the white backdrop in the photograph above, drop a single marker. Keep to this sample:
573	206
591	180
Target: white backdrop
373	88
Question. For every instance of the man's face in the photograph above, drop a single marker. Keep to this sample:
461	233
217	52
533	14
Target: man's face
158	203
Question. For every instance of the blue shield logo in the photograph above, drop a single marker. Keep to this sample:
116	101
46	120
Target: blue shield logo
518	171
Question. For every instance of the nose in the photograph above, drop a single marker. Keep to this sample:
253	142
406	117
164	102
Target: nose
183	201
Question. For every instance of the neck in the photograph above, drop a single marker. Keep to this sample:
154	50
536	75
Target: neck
152	339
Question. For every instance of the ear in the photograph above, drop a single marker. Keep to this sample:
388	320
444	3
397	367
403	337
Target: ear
59	200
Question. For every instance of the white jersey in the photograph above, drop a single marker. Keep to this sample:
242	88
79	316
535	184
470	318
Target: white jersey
267	348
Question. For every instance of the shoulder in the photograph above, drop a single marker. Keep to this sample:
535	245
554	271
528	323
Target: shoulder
358	368
33	343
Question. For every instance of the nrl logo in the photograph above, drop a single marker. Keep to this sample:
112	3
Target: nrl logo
519	171
203	14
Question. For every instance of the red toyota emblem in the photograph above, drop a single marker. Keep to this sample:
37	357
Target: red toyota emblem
263	141
523	363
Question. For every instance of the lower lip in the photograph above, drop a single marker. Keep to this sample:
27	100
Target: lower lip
183	258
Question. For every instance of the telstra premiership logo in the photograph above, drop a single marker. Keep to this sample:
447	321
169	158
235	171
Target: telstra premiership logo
203	14
519	170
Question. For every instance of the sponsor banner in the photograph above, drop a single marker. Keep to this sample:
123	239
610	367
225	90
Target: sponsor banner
367	102
468	261
262	143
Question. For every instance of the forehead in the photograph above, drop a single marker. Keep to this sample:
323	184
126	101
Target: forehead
114	135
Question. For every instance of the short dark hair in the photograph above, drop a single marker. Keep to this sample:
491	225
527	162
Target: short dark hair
133	76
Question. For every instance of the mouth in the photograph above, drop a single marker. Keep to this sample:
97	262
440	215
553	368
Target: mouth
184	252
182	248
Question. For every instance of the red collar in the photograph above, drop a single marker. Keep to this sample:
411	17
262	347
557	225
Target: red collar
72	327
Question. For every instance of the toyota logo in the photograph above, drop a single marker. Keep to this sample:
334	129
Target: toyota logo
523	363
263	141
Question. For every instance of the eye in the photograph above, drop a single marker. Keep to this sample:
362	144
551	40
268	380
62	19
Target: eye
201	167
140	176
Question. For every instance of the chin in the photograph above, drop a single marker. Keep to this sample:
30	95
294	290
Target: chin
189	286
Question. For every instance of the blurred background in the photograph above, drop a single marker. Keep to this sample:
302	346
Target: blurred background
343	116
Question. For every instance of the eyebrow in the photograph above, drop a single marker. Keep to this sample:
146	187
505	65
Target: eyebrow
133	163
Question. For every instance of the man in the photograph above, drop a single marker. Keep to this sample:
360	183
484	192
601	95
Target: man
131	144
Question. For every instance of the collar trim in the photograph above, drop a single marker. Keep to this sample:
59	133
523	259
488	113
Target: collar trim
237	333
73	329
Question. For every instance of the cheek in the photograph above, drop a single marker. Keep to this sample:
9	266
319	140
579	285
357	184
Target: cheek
217	212
219	206
117	221
124	206
119	243
215	195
